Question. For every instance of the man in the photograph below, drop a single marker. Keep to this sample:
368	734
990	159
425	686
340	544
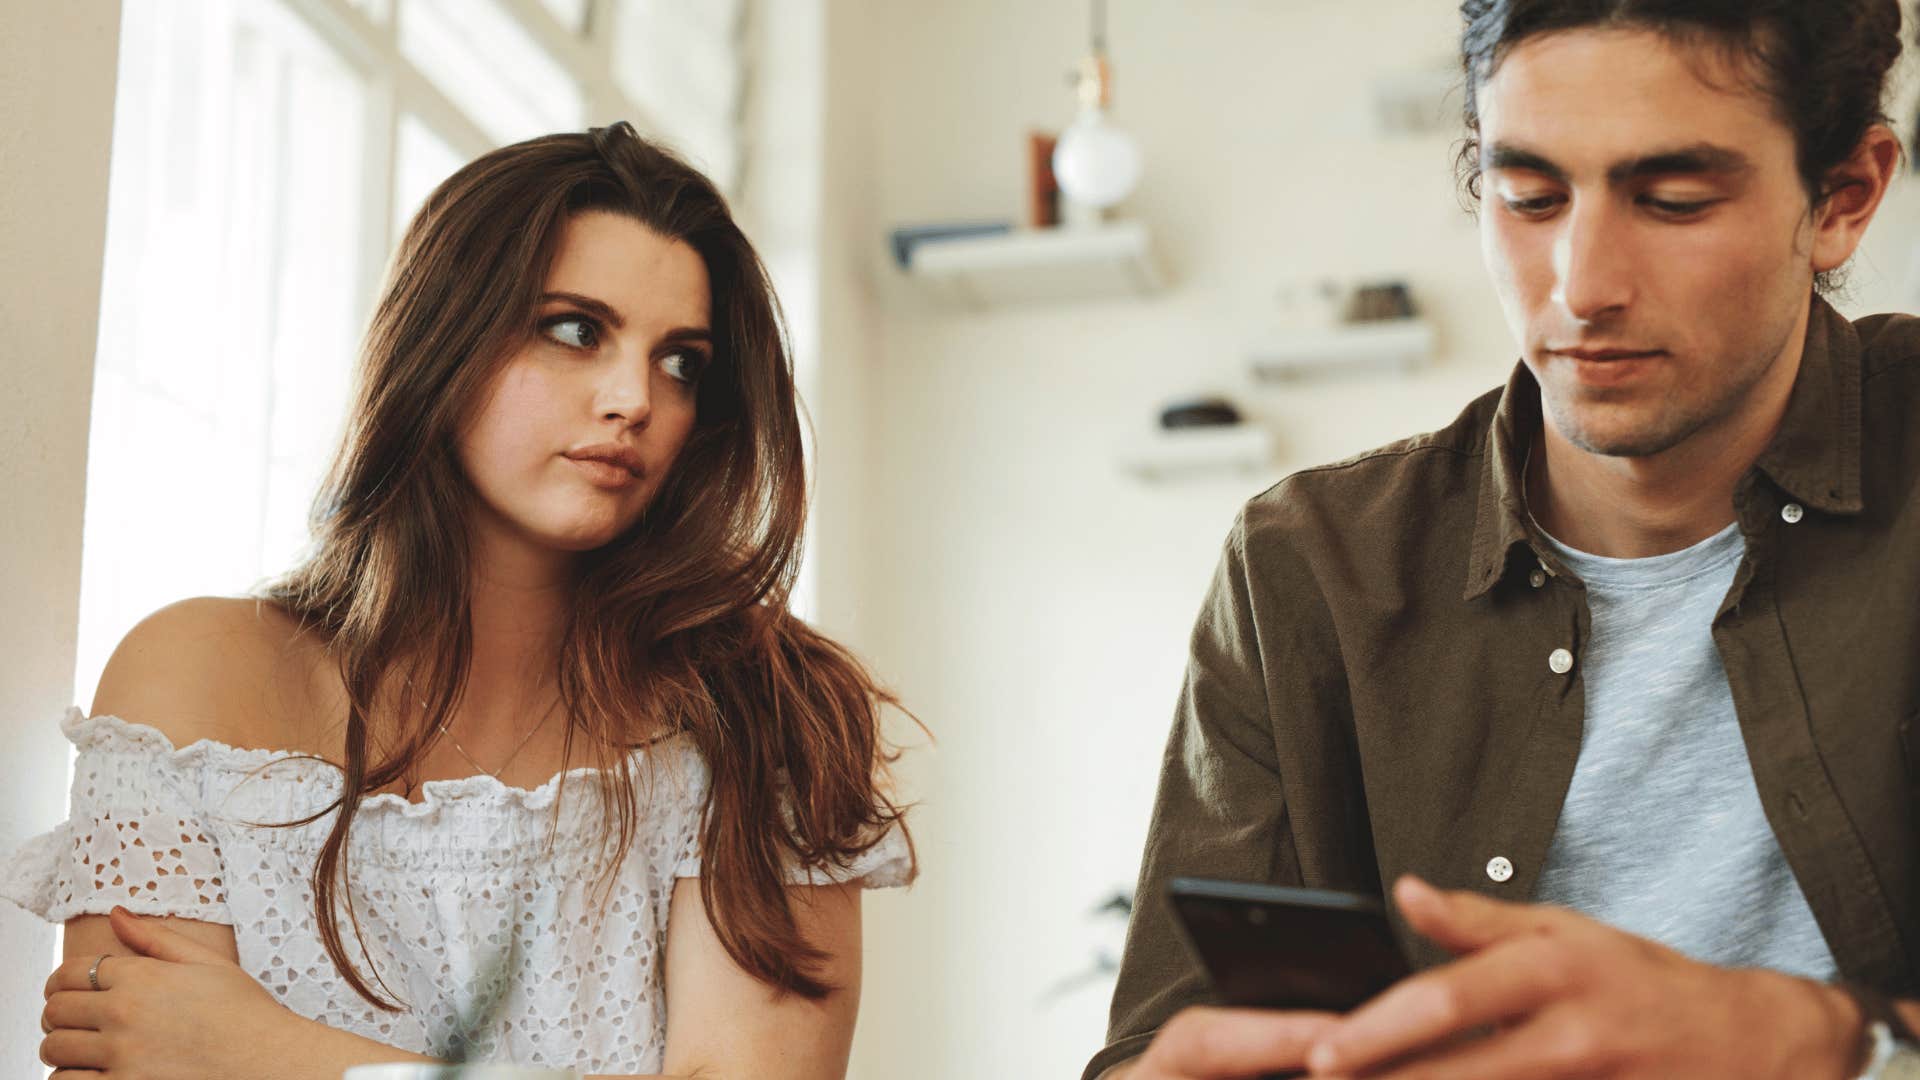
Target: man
1626	661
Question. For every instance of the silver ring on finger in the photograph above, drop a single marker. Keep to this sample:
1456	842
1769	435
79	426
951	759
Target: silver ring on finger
93	973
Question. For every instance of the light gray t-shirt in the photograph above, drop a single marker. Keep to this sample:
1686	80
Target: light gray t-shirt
1662	834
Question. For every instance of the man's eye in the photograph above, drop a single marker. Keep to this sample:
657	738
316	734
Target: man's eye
1533	207
573	331
1677	207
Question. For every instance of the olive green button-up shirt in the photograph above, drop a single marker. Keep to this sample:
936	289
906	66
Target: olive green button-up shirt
1386	675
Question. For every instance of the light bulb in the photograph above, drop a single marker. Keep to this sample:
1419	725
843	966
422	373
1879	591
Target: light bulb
1096	163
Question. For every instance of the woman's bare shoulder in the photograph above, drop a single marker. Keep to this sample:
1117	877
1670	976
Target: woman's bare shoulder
240	671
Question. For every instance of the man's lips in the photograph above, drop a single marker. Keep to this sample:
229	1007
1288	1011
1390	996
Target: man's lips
1602	356
1612	367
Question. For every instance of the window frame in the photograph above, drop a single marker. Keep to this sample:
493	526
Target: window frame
395	87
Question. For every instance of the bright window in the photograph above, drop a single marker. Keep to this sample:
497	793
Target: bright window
491	67
229	299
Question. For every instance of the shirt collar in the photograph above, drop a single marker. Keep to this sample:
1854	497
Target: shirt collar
1501	521
1814	457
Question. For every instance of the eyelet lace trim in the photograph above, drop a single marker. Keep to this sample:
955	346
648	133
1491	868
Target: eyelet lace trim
477	888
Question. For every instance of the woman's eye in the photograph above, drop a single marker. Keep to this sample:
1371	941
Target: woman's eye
574	332
685	367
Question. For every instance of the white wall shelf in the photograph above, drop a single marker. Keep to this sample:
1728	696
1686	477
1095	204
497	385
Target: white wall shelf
1361	348
1039	265
1194	453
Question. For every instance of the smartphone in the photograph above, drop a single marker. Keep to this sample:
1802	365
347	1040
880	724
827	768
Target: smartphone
1268	946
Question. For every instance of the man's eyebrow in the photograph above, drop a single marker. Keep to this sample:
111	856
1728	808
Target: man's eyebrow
1506	156
600	309
1698	159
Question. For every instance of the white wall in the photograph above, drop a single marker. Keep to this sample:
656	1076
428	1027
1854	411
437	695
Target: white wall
1032	602
57	65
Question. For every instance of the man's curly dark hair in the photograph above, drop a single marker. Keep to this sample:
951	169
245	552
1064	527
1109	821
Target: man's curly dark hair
1823	63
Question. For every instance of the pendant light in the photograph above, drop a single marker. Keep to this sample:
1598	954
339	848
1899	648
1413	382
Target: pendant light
1095	163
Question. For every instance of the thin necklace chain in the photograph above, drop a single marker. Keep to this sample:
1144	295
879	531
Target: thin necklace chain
495	773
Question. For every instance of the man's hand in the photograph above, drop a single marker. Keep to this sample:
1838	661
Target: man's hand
1227	1044
1566	996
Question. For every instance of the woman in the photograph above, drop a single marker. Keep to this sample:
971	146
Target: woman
532	716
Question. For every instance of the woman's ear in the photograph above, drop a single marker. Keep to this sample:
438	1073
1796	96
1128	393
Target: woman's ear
1854	190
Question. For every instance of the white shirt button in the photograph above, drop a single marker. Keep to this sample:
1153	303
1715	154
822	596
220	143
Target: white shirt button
1498	868
1537	578
1792	513
1561	661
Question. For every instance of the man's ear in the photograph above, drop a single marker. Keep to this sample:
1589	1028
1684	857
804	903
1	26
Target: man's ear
1854	190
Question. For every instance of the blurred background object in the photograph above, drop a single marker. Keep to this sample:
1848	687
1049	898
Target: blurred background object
1002	525
1095	162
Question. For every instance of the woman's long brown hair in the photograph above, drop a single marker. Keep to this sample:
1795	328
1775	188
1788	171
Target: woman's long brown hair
681	624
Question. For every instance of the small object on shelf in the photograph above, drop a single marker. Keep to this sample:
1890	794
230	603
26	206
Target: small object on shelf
1380	301
1043	188
1030	265
1195	452
907	239
1351	349
1202	412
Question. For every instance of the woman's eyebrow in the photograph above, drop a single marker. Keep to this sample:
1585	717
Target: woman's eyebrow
598	308
605	312
683	334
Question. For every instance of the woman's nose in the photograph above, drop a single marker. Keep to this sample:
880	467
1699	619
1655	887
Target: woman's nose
625	393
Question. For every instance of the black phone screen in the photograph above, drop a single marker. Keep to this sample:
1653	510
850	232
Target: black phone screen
1268	946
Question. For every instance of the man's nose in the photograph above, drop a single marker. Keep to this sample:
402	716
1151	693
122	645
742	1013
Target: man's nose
1592	262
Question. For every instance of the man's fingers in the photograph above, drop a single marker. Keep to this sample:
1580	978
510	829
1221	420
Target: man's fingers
1463	922
65	1047
1208	1043
1487	987
1548	1047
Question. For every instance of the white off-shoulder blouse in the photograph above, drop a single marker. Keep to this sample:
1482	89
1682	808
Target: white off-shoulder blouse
460	897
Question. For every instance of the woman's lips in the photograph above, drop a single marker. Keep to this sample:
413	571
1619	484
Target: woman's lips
610	465
605	473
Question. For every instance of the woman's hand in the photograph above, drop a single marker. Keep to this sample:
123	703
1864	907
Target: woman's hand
178	1011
